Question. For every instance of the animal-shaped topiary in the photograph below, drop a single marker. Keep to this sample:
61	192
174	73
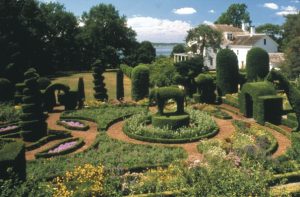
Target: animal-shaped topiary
99	85
33	119
293	94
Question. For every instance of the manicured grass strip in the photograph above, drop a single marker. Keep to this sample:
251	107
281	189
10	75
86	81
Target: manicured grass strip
163	194
278	129
292	189
104	115
46	154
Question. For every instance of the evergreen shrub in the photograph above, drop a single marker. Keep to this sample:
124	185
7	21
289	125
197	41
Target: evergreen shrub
120	85
99	85
227	72
140	82
81	93
7	90
33	119
43	82
19	92
257	66
127	70
205	89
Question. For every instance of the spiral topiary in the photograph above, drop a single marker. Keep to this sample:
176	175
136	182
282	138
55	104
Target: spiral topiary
227	72
43	82
19	93
257	66
120	85
99	85
6	90
33	119
140	82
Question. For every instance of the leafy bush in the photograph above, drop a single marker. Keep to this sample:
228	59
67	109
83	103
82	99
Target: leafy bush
7	90
127	70
227	72
8	113
99	85
205	89
257	64
140	82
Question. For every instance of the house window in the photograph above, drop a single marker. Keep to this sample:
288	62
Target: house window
211	61
229	36
265	41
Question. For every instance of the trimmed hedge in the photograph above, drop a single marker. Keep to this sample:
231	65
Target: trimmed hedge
52	135
69	100
231	100
127	70
249	103
205	89
270	109
278	129
7	90
49	95
172	121
80	92
289	123
257	66
99	85
46	154
12	155
19	93
227	72
140	82
33	122
120	85
67	126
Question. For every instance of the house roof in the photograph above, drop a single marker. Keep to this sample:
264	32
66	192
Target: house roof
247	40
276	58
226	28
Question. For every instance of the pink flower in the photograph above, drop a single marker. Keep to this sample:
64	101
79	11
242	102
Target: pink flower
62	147
8	128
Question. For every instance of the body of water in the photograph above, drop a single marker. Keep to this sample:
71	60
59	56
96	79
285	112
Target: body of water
164	49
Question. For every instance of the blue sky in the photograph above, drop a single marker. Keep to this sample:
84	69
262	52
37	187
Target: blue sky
169	20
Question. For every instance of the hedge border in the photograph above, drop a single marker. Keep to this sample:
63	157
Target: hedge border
45	154
278	129
84	128
290	176
288	122
54	136
171	141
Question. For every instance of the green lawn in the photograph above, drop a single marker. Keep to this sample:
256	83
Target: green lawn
110	81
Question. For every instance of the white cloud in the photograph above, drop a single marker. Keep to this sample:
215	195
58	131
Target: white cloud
211	11
287	10
295	1
208	22
159	30
272	6
184	11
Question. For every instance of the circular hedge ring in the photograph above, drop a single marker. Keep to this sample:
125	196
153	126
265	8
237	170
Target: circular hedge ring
172	121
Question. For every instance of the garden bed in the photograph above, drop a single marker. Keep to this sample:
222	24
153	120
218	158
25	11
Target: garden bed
64	147
9	129
73	124
201	126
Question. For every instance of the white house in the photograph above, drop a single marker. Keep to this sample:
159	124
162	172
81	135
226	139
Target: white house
240	41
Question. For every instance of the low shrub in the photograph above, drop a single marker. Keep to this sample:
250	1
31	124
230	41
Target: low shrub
9	113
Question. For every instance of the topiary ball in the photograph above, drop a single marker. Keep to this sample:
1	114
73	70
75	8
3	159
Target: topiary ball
7	90
43	82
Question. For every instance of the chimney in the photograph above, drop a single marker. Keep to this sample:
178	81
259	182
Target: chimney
252	30
244	27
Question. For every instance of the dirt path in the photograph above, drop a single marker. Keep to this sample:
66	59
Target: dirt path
283	142
226	130
89	136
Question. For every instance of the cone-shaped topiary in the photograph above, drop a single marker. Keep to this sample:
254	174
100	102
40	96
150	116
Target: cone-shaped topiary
257	66
6	90
140	82
120	85
99	85
33	119
227	72
81	93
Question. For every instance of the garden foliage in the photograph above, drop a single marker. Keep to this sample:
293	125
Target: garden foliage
120	85
257	66
140	82
205	89
99	85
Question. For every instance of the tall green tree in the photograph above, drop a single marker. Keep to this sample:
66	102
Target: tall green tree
105	35
235	15
202	37
146	53
274	31
178	48
291	28
292	58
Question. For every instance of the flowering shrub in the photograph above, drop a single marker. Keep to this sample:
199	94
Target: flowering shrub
200	124
73	123
62	147
8	128
86	180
